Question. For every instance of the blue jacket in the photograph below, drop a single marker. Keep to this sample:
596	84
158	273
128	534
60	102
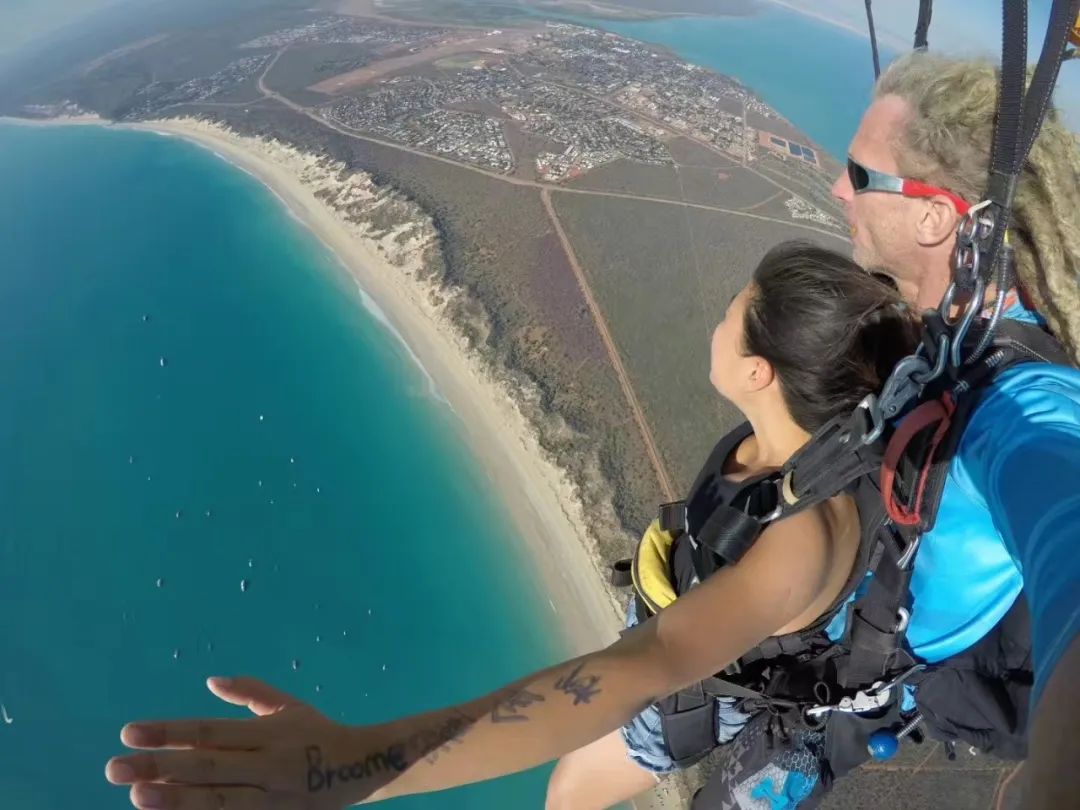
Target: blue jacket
1009	519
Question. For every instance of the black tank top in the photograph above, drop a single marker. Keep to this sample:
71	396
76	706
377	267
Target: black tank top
692	560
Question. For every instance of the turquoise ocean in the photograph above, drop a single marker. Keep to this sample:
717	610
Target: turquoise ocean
287	486
288	443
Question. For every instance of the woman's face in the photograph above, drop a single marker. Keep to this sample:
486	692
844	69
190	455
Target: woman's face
729	368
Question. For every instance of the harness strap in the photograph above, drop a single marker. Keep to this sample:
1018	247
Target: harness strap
688	718
873	38
833	459
912	480
718	687
876	627
729	533
1019	118
1013	143
935	411
776	646
673	517
922	26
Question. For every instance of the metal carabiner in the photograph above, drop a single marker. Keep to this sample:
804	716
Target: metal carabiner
785	496
940	360
903	385
973	308
865	700
887	686
877	421
971	232
946	303
966	260
971	227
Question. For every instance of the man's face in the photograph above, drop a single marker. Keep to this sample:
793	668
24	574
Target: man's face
882	225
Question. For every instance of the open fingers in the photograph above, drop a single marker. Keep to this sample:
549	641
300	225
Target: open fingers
177	797
190	768
242	734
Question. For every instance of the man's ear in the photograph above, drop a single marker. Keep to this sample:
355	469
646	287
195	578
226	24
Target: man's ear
761	374
937	222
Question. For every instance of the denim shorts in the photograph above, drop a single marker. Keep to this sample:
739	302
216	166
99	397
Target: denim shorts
644	737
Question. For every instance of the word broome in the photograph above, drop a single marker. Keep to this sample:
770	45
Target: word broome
320	777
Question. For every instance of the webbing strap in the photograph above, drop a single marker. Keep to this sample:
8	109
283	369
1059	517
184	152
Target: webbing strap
833	458
933	412
1011	148
873	37
729	533
718	687
776	646
875	629
922	26
673	517
1020	114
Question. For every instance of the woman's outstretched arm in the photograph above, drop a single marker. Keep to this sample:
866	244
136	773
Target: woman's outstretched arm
292	756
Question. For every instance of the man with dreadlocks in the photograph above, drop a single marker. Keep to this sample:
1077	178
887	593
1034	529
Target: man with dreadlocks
1005	538
1009	518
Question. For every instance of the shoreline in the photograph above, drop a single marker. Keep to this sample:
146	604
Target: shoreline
885	39
821	17
536	493
538	497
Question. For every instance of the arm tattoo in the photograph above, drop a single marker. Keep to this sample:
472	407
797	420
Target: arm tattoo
430	742
512	708
395	759
582	688
321	775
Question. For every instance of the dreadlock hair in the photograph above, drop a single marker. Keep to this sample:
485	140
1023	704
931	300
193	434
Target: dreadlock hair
947	143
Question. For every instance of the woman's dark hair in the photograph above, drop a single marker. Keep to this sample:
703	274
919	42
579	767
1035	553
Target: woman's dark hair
831	331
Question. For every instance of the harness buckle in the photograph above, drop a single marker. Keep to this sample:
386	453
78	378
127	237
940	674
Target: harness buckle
899	679
784	497
904	384
865	700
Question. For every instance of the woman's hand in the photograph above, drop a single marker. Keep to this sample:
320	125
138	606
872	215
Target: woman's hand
289	756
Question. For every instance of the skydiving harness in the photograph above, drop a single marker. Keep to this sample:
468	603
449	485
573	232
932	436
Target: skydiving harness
805	677
896	472
981	257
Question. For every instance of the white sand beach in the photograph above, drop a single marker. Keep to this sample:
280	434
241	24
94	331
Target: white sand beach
540	500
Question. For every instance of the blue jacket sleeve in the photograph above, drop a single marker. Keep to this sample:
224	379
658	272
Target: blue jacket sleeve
1022	448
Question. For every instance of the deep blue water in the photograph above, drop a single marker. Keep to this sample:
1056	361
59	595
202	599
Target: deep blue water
301	448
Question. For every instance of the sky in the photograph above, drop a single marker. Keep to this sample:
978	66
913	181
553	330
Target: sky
962	27
24	20
959	26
